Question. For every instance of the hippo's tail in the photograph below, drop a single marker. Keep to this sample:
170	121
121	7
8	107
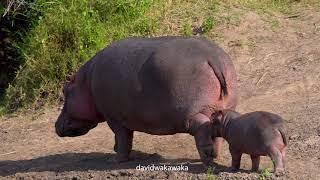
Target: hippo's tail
218	71
282	131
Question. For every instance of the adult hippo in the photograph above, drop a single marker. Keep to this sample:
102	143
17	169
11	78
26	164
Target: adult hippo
159	86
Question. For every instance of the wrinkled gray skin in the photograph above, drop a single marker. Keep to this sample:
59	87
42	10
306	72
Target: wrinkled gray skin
160	86
256	133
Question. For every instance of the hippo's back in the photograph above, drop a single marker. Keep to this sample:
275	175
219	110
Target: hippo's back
154	84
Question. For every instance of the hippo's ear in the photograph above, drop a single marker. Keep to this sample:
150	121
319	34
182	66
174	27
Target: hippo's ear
71	78
218	115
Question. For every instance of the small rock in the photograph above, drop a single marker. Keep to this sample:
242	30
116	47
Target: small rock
3	131
90	176
293	137
234	43
114	173
300	34
125	173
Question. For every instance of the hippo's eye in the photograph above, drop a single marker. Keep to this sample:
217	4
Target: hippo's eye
64	89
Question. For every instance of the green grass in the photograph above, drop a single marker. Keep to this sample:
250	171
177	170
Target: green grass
187	29
65	34
266	173
275	24
210	174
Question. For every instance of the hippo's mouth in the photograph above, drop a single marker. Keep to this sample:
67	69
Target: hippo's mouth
59	133
63	130
76	132
72	132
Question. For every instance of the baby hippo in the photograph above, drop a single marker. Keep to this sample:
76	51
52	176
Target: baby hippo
256	133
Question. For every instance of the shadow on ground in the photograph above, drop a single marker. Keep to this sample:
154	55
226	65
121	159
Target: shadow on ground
95	161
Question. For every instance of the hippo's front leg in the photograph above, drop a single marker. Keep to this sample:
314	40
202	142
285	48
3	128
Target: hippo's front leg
200	128
123	140
130	140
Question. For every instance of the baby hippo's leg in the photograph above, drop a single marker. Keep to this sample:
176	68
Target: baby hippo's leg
277	159
236	159
255	162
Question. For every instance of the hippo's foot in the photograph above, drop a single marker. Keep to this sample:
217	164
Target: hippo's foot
120	158
279	172
234	169
254	169
206	155
207	165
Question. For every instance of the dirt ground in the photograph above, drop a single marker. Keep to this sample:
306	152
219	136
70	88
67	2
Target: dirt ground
278	66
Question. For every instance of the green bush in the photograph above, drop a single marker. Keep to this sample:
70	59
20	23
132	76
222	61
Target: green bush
65	35
17	18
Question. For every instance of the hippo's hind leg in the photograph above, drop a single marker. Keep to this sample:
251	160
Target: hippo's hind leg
283	153
123	140
200	128
255	162
276	157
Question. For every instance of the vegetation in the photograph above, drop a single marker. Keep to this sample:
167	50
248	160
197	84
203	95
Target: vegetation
266	173
210	174
58	36
64	36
